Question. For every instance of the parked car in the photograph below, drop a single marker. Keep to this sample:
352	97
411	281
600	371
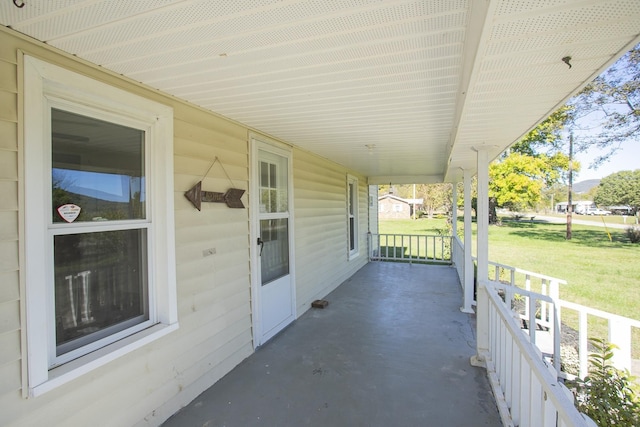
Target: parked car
597	211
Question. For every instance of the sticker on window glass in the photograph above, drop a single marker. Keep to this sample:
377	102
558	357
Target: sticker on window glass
69	212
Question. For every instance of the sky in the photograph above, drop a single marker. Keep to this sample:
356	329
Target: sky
627	158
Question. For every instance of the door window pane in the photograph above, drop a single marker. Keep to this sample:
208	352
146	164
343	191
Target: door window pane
352	214
97	166
273	183
100	285
275	252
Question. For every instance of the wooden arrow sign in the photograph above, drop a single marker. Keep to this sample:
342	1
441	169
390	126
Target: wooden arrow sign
231	197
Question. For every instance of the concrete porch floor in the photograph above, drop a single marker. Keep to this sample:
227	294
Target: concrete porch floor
391	349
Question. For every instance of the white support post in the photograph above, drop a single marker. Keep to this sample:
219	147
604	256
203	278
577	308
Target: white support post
454	209
468	234
482	220
620	335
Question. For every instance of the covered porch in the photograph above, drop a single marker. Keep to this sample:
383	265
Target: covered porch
391	348
352	94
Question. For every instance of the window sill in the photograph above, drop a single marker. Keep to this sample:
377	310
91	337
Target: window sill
78	367
353	256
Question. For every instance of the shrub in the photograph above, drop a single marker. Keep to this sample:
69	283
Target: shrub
633	233
606	394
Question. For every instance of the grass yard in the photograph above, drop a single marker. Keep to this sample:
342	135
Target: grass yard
609	219
600	273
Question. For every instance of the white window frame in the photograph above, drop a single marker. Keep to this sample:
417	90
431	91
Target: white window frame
47	85
352	201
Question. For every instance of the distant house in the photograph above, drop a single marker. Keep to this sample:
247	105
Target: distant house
394	207
579	206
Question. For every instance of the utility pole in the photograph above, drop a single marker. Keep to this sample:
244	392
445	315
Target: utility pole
569	198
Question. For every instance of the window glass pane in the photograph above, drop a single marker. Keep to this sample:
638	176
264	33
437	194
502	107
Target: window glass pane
273	183
275	252
264	174
352	236
273	176
351	201
97	166
100	285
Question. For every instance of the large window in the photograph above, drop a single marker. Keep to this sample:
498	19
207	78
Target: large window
352	215
100	277
100	264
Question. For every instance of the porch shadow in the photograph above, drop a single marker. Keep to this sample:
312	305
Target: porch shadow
391	349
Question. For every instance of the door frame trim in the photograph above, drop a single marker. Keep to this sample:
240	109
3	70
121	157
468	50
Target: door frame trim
259	142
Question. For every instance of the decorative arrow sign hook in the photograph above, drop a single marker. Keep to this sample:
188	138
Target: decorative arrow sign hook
231	197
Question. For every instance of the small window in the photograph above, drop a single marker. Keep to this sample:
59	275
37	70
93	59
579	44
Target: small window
100	269
352	215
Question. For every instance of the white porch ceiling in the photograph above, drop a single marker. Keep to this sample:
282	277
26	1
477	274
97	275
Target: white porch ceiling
400	90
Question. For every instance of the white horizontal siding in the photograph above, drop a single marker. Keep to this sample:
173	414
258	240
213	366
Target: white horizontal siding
321	239
10	338
213	291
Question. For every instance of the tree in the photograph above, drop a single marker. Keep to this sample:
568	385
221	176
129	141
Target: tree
620	188
435	197
517	180
547	136
612	101
532	165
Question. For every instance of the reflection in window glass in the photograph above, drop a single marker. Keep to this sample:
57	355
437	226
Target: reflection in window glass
100	285
98	166
273	184
275	252
352	213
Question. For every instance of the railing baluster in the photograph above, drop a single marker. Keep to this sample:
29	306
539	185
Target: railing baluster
543	305
395	248
582	342
516	385
532	320
434	247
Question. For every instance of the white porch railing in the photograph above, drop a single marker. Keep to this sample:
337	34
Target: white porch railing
525	386
457	258
524	331
410	248
620	332
546	292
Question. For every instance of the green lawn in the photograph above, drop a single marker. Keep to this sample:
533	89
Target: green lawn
609	219
600	273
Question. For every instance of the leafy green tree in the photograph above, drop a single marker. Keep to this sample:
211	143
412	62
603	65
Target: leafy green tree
612	101
435	197
620	188
517	181
532	165
547	137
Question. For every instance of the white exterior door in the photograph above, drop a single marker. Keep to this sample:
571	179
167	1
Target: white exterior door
272	255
